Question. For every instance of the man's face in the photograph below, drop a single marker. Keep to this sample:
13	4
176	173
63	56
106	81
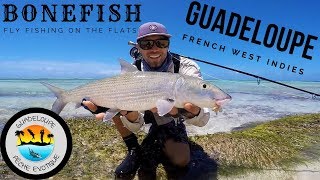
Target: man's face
156	55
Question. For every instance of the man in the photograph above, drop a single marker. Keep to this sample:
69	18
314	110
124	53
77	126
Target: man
167	140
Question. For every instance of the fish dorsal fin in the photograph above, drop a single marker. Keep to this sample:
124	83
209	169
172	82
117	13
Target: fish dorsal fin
179	84
127	67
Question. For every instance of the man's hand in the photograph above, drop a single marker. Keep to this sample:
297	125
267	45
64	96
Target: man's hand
192	110
92	107
131	116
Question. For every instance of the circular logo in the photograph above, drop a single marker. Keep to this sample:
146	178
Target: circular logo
36	143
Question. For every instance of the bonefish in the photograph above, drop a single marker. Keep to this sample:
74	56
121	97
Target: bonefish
135	90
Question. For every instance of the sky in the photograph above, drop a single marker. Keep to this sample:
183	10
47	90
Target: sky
89	54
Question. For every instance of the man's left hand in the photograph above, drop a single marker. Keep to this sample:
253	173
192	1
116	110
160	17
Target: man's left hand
192	109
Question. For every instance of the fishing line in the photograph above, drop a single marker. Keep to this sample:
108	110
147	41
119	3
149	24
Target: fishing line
259	82
215	78
134	53
259	79
218	79
314	95
287	93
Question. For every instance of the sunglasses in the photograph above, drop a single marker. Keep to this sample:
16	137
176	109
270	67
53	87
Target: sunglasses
148	44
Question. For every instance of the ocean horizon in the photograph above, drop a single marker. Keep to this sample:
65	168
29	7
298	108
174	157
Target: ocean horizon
97	78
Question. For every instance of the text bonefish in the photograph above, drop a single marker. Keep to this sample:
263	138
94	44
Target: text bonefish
71	12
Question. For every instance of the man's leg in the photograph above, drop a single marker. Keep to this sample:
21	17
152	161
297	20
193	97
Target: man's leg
177	159
127	169
176	149
150	156
175	144
184	161
177	152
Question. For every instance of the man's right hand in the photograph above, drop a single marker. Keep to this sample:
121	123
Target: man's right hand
93	108
131	116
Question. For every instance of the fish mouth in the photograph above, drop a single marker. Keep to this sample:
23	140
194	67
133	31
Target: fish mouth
217	106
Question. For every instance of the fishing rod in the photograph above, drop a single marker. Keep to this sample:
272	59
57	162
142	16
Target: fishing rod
135	54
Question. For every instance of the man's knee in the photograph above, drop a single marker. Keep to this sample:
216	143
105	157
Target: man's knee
181	160
178	152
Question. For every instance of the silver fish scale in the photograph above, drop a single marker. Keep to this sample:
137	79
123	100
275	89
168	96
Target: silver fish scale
130	91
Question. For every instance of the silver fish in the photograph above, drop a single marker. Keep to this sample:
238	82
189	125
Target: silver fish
135	90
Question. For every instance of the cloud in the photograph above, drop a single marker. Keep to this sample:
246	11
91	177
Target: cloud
57	69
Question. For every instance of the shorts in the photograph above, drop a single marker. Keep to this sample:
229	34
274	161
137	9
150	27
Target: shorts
151	147
201	166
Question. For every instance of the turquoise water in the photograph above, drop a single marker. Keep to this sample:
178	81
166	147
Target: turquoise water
251	102
42	151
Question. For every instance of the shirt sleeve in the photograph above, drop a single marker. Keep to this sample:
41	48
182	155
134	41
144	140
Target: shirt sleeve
133	126
200	120
189	68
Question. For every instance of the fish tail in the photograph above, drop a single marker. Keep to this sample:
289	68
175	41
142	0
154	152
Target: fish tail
60	103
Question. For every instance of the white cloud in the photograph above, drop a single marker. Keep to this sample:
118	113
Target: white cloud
56	69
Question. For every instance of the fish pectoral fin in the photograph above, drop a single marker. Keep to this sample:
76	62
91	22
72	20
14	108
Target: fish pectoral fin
78	104
110	114
164	106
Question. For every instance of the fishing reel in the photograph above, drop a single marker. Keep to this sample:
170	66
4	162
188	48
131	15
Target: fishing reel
134	52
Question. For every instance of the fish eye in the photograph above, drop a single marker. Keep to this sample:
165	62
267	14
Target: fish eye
204	86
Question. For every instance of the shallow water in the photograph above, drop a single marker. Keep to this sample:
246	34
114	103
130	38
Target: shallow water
250	102
42	151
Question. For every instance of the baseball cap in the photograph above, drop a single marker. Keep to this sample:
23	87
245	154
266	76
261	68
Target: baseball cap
152	28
